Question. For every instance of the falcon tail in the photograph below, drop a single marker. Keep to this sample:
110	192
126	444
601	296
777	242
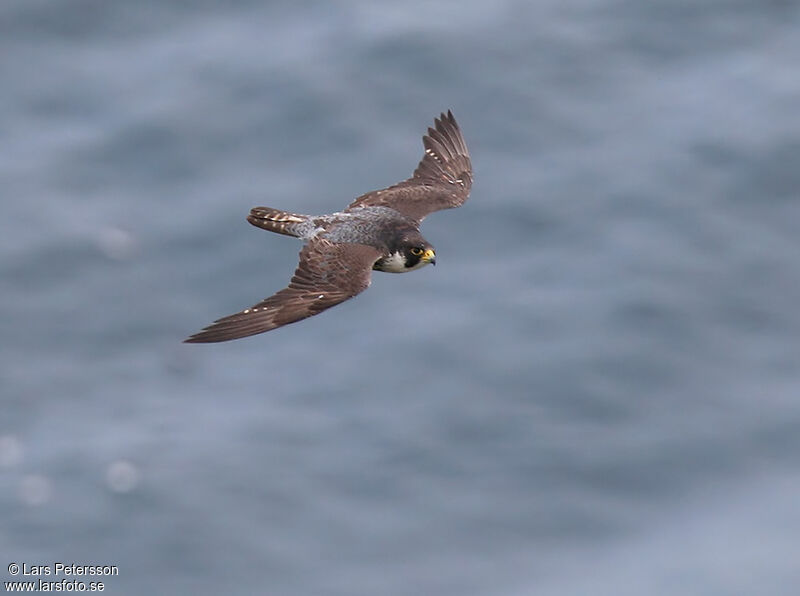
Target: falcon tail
281	222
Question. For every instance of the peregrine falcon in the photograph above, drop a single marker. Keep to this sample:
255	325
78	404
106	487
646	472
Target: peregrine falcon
379	230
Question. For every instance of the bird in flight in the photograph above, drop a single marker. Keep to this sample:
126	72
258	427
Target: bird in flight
379	230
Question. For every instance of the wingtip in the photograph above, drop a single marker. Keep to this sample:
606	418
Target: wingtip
446	121
447	117
214	334
206	336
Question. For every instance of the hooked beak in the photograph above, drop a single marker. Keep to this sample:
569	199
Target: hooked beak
429	256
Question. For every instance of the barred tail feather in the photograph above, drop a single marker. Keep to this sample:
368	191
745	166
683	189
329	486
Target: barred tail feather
280	222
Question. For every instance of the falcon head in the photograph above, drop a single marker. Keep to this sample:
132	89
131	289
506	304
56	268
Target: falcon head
408	255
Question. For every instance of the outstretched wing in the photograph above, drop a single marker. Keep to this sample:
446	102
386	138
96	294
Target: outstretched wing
442	179
328	274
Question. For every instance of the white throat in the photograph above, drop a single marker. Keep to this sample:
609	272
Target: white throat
396	263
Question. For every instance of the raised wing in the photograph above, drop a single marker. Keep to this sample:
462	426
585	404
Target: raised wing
328	274
442	179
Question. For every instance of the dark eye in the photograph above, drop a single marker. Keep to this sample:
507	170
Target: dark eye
416	251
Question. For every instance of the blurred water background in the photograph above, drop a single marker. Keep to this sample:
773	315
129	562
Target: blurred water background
596	391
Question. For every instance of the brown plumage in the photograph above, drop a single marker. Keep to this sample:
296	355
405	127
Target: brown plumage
328	274
379	230
442	179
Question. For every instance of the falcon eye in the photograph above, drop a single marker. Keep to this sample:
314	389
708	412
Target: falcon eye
417	252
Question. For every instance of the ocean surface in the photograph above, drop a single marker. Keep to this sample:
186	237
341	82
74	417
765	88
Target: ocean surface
596	391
